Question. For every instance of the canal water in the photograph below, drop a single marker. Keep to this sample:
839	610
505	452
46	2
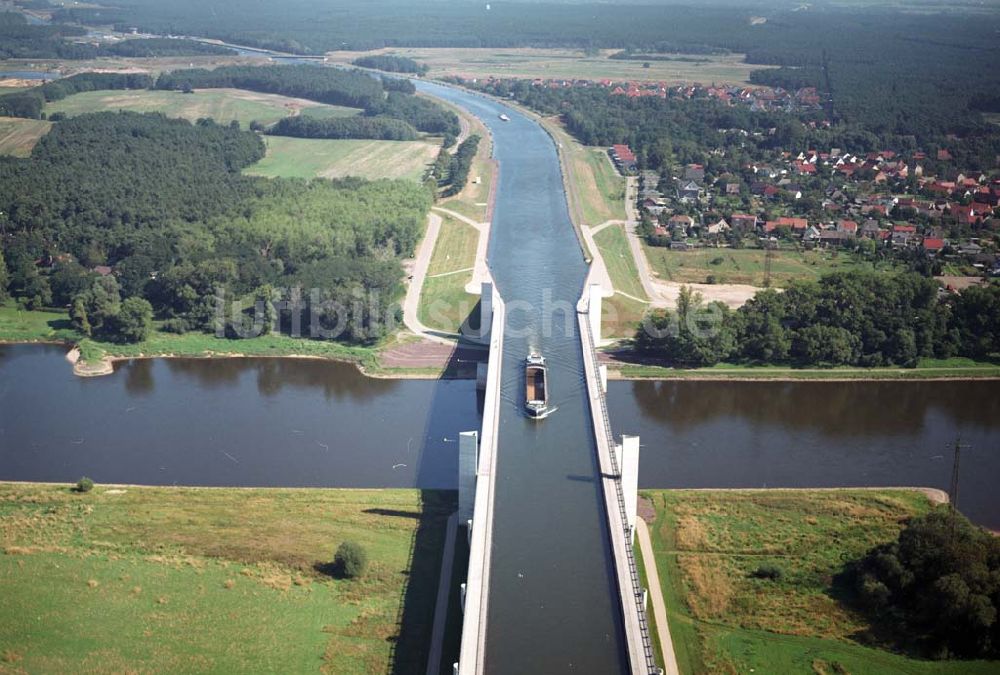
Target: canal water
553	597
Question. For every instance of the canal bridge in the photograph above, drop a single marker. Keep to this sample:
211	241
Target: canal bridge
548	506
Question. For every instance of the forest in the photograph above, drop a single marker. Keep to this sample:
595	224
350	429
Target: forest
925	77
377	128
862	319
663	132
391	64
163	203
19	40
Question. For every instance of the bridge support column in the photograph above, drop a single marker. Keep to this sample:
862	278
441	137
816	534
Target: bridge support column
594	310
485	314
468	462
462	588
604	378
630	477
482	372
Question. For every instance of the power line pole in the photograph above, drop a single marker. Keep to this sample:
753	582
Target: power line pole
955	467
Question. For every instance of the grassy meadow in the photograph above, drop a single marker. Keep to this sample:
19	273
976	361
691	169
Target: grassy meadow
222	105
444	304
707	544
321	158
18	136
216	580
532	63
746	266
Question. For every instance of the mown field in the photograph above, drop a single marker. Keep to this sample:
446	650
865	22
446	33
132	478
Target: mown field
567	64
198	580
621	314
747	266
708	544
321	158
444	304
222	105
18	136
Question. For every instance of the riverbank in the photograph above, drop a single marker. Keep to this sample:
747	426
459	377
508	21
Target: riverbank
926	370
394	358
137	578
708	544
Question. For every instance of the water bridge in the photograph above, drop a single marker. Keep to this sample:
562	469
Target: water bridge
548	506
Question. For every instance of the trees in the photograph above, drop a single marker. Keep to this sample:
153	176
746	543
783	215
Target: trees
4	277
694	336
94	309
937	588
134	320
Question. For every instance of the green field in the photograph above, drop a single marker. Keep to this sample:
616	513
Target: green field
18	136
596	192
202	580
320	158
722	620
444	304
747	266
222	105
529	63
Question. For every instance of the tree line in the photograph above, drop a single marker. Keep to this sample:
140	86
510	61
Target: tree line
21	40
391	63
862	319
163	204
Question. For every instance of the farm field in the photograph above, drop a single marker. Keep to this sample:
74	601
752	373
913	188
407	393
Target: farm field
707	544
747	266
131	579
566	64
222	105
444	304
18	136
321	158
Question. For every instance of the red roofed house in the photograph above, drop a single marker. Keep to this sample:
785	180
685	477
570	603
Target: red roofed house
932	245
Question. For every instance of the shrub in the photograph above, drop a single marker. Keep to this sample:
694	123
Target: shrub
770	572
350	560
84	485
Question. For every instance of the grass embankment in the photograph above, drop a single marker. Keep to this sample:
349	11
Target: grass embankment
926	369
621	313
707	545
222	105
595	190
473	201
197	580
747	266
321	158
48	326
444	303
18	136
569	64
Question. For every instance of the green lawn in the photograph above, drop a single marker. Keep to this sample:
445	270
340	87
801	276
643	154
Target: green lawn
444	304
188	580
17	325
746	266
722	620
222	105
617	255
321	158
596	192
18	136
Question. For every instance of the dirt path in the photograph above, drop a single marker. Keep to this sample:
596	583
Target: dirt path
656	596
411	304
480	269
